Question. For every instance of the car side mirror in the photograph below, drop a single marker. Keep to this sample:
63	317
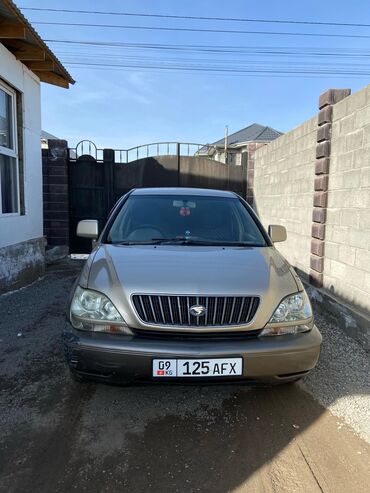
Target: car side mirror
277	233
88	228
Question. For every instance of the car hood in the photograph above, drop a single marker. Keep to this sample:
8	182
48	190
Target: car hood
120	271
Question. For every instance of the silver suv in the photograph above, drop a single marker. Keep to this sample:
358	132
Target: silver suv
185	285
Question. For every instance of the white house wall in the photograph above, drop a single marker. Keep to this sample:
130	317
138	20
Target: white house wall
16	229
22	249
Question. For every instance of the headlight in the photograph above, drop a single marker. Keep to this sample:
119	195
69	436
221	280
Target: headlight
93	311
293	308
293	315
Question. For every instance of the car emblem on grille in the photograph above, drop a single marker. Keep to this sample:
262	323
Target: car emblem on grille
197	310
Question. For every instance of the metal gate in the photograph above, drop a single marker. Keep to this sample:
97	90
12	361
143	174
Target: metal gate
99	177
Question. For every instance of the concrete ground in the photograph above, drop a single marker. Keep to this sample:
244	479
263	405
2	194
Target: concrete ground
59	436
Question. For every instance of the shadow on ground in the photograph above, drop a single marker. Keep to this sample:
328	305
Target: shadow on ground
59	436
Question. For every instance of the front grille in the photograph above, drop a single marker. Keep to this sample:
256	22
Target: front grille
174	310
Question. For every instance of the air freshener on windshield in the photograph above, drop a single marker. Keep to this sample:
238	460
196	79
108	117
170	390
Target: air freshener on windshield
184	211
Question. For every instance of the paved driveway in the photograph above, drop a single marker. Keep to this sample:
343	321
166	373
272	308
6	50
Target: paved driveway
59	436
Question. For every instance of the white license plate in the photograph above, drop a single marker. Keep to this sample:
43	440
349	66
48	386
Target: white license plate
224	367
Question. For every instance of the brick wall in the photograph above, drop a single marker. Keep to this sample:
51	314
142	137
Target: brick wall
347	243
55	193
283	189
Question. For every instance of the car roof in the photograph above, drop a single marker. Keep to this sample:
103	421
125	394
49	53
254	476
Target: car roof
205	192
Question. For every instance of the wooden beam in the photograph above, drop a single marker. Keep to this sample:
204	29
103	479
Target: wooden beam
44	65
29	55
10	30
23	50
52	78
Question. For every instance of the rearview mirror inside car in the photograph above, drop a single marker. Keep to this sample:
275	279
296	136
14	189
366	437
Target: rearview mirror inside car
88	228
277	233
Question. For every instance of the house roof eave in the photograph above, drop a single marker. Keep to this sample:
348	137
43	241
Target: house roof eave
21	39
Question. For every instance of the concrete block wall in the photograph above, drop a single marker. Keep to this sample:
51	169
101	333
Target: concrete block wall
347	242
251	148
283	189
315	180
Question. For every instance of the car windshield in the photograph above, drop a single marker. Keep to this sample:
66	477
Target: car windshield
184	219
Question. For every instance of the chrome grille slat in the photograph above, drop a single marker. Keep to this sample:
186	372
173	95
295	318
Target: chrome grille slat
188	307
250	308
214	312
179	307
152	308
232	311
170	307
143	307
221	311
241	311
161	308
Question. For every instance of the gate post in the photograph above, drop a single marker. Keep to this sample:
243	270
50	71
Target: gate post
108	163
56	195
321	183
178	164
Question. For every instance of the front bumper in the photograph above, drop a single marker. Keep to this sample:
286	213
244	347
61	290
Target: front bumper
126	359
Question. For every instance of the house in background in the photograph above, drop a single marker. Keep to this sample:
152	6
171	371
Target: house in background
45	137
230	148
25	61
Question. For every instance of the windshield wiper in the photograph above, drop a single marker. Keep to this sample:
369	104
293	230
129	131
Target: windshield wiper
135	242
156	241
184	240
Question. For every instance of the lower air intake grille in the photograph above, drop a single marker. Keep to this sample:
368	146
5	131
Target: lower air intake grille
175	310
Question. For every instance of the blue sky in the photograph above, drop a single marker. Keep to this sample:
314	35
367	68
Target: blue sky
124	108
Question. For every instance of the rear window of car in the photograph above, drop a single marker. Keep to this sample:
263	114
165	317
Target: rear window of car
206	219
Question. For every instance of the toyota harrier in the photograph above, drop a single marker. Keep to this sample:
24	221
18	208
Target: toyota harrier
186	285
